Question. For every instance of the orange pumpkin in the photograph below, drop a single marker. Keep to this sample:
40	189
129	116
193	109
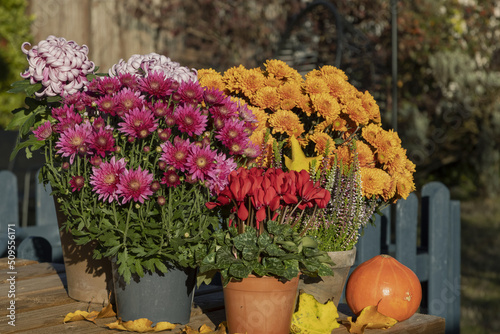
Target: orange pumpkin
384	281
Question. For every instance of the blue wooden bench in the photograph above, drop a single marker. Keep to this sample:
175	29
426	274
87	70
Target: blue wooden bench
425	238
40	242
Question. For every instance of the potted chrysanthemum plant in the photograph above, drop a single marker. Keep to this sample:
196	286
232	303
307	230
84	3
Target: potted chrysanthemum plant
132	157
323	124
260	248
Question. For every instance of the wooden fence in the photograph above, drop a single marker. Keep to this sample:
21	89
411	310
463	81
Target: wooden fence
425	238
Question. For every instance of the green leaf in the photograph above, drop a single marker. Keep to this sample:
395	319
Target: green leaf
239	270
31	89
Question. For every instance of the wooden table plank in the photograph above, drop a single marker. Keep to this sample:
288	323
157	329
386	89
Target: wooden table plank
42	302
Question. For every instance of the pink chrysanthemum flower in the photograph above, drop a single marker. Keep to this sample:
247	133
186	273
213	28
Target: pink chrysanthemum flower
156	84
171	178
102	141
108	85
79	100
107	104
74	140
226	110
232	131
60	66
175	154
135	184
128	99
213	96
105	178
190	92
44	131
201	162
190	120
220	176
128	80
99	123
77	183
161	109
252	150
138	123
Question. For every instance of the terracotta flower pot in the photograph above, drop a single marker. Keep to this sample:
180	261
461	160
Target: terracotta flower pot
330	287
260	305
88	280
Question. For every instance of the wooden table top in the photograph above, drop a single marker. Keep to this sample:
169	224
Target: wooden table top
41	303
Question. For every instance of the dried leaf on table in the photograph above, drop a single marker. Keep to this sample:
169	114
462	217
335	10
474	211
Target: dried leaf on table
78	315
142	325
368	318
204	329
313	317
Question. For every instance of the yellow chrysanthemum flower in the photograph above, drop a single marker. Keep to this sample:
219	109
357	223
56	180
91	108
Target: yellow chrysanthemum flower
315	85
329	70
267	154
211	78
404	184
251	81
232	78
285	121
280	70
289	91
356	112
374	181
370	132
371	107
322	140
261	116
326	105
366	157
272	82
267	98
386	144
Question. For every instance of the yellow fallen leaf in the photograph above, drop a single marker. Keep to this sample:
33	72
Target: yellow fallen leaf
368	318
142	325
313	317
78	315
205	329
299	161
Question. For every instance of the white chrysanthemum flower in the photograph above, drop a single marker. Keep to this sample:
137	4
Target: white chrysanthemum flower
140	65
60	66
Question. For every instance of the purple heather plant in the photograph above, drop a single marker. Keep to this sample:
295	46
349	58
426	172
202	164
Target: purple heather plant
348	211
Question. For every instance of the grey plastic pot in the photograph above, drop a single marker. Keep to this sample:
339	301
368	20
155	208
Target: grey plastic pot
156	296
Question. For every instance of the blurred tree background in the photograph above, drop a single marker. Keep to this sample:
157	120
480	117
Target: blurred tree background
14	30
448	64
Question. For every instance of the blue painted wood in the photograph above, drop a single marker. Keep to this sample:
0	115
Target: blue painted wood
45	208
453	314
436	213
406	231
35	248
9	202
